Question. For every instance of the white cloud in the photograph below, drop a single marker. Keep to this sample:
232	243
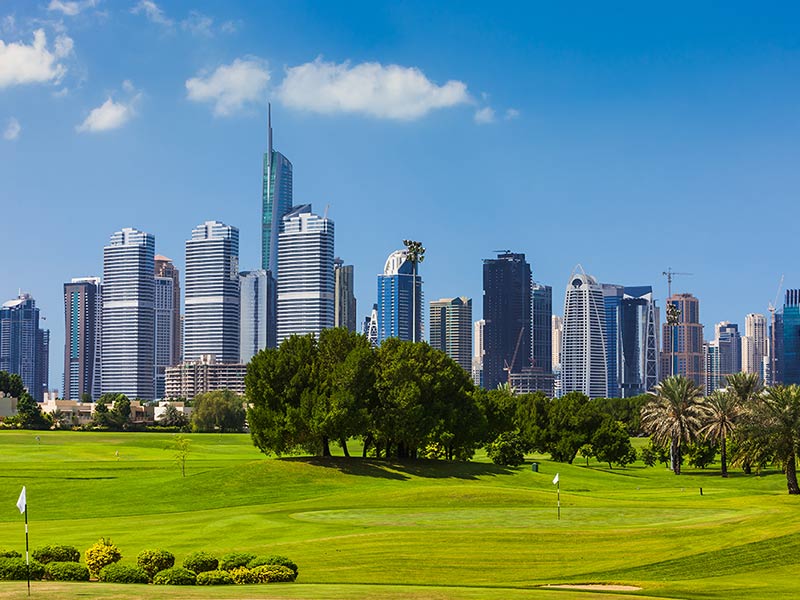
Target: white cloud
111	115
12	130
511	113
71	8
384	91
230	26
9	24
484	116
231	87
198	24
21	64
152	11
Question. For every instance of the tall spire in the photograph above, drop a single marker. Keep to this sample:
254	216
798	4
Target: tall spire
269	128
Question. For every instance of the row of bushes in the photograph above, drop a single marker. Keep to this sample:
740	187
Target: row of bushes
61	563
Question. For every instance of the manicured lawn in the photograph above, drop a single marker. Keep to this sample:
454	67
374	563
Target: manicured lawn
369	529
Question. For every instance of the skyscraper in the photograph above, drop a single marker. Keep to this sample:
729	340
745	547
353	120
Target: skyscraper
305	273
451	329
344	305
165	268
24	348
612	300
211	323
541	327
556	334
276	200
370	329
164	330
755	344
396	297
729	343
637	341
128	315
507	315
478	352
583	350
83	318
789	350
682	354
255	320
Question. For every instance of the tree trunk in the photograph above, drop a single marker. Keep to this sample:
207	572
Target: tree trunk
343	444
326	449
723	456
676	456
791	475
747	467
367	444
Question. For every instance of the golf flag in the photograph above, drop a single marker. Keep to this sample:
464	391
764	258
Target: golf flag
555	479
23	500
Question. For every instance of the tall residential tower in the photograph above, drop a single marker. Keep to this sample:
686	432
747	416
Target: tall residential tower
83	314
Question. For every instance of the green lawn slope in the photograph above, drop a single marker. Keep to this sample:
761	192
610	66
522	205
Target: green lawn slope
370	529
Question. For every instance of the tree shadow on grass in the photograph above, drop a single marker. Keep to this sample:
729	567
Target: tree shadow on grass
403	469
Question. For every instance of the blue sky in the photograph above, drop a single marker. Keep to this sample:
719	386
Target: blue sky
624	137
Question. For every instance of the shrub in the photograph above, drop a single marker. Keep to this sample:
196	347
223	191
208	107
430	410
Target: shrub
272	574
214	578
116	573
10	554
47	554
200	562
506	450
273	560
103	553
235	559
242	575
66	571
153	561
175	576
14	569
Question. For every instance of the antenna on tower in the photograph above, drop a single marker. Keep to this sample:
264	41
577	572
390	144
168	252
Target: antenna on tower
269	130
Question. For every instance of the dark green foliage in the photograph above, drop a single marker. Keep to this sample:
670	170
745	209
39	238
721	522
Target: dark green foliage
172	417
648	456
116	573
214	578
273	560
116	418
14	569
625	410
46	554
11	384
235	559
175	576
153	561
29	414
701	454
506	450
221	411
273	574
559	426
200	562
611	444
9	553
66	571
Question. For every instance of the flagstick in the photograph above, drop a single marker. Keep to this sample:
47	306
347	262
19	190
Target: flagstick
27	559
558	491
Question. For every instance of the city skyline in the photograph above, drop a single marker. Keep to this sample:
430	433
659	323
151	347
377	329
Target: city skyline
689	132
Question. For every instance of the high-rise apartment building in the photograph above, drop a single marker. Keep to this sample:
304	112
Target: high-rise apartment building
789	351
344	303
276	200
557	328
451	329
24	347
83	319
541	328
637	341
305	273
682	342
397	309
255	319
211	322
583	350
723	356
507	313
478	352
165	268
755	344
128	344
612	300
164	330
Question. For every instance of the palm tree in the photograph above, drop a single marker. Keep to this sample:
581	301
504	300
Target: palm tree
774	422
721	411
674	415
746	387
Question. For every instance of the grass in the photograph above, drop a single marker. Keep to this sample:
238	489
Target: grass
371	529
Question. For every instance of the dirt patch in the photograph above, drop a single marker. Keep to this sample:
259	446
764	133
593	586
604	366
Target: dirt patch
601	587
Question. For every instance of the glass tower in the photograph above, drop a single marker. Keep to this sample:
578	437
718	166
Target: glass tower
276	200
396	297
83	304
789	356
23	346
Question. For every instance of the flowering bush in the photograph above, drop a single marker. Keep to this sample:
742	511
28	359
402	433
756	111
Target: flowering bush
101	554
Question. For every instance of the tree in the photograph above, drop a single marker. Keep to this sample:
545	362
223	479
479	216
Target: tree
559	426
611	443
220	410
674	415
721	412
29	413
507	449
181	447
172	417
745	388
11	384
701	453
116	418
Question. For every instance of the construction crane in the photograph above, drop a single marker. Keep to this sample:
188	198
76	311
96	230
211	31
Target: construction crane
772	307
669	274
507	368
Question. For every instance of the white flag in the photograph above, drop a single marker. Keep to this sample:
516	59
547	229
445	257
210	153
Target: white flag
23	500
555	479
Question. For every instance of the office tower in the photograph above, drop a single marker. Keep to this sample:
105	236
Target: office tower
478	352
451	329
344	305
583	349
776	349
637	341
276	200
396	297
370	329
557	327
256	322
305	273
165	268
612	300
507	315
211	321
541	327
24	347
128	315
755	344
164	310
682	354
83	317
789	351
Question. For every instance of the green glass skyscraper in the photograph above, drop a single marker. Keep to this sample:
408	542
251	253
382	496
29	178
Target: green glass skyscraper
276	201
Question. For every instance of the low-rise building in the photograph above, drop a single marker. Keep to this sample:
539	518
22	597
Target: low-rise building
191	378
8	406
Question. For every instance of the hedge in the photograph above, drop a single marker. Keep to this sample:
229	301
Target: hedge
235	559
47	554
153	561
175	576
14	569
273	560
66	571
214	578
199	562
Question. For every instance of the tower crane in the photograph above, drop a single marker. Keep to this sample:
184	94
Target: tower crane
669	274
507	368
772	307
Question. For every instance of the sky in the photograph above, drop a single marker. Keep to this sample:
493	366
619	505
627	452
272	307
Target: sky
624	137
